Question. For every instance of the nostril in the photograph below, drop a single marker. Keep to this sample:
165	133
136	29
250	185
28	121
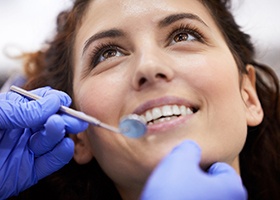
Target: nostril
161	76
142	81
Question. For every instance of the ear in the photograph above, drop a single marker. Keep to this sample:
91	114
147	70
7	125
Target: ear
82	153
253	108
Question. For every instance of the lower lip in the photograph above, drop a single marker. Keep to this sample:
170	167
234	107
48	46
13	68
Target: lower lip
168	125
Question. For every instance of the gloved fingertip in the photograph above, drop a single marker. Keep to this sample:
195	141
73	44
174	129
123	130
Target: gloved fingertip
188	147
55	124
50	104
188	154
224	174
221	168
80	127
69	144
64	151
74	125
64	98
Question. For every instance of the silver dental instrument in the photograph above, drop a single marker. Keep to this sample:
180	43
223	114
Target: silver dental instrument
131	126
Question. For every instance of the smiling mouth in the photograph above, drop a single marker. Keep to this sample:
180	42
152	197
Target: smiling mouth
166	113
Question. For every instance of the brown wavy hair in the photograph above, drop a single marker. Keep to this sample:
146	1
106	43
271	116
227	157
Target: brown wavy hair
259	159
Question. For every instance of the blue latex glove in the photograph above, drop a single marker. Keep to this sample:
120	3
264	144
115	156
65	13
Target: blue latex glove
32	143
179	177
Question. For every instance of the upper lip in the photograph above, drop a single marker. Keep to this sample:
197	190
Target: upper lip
168	100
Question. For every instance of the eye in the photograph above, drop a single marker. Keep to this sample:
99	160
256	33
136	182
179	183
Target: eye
109	53
185	33
105	52
181	37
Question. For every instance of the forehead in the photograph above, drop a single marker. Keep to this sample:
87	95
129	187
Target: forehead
103	12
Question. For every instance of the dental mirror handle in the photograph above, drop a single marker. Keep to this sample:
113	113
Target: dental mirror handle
69	111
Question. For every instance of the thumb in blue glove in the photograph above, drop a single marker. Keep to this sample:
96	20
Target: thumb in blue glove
17	111
179	177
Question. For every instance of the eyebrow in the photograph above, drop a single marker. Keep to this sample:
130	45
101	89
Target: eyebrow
176	17
111	33
115	33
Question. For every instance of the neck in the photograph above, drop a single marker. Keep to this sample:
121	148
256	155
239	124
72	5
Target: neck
235	165
130	192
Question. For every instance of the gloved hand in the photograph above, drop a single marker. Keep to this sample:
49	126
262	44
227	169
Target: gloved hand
32	142
179	177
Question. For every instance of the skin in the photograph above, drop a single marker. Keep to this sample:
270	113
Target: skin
151	69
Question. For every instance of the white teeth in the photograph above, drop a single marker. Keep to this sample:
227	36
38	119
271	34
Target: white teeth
156	112
148	116
165	113
176	110
189	111
143	118
183	110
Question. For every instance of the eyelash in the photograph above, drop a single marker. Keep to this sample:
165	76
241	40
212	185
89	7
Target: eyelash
183	28
189	29
99	50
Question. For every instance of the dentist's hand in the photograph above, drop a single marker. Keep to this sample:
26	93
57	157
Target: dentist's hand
32	142
179	177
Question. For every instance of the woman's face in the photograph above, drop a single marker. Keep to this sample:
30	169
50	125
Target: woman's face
165	60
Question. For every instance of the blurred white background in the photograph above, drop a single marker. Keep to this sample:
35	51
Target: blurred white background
26	25
260	19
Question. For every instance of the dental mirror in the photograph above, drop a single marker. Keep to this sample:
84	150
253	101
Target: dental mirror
131	126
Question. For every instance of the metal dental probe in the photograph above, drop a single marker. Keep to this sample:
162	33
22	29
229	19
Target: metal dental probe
131	125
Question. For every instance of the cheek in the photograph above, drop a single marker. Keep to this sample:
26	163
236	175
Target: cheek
213	77
216	81
99	96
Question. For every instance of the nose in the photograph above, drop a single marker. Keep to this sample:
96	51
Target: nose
151	68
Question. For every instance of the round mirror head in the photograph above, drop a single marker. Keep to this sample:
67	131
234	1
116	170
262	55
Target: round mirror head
132	126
